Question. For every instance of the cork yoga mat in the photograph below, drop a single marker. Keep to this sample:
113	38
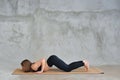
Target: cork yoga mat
92	70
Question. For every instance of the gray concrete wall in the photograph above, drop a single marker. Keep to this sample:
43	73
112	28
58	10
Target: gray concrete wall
72	29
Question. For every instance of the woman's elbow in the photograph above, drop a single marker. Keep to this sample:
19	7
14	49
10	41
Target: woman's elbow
43	60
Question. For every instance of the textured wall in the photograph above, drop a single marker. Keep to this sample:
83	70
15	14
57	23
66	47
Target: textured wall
71	29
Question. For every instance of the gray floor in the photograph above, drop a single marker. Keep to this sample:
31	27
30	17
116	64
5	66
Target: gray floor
111	72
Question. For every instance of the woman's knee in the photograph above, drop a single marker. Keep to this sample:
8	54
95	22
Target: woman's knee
67	69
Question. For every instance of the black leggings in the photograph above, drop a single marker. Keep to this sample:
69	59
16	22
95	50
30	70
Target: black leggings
54	60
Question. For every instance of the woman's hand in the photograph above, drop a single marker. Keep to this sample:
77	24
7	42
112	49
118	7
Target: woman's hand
42	62
39	72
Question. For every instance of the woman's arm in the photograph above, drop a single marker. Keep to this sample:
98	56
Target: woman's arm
36	65
42	66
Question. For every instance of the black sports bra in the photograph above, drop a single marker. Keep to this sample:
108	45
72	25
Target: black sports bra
39	69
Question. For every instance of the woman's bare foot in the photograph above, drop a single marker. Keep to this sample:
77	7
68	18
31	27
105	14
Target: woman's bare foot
86	65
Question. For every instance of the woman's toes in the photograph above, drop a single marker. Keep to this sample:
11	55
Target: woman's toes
86	65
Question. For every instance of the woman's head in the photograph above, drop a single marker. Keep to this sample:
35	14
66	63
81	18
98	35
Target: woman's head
26	65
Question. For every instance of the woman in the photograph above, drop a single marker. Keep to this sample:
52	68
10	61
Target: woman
43	65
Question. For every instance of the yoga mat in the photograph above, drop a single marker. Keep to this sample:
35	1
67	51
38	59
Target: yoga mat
92	70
